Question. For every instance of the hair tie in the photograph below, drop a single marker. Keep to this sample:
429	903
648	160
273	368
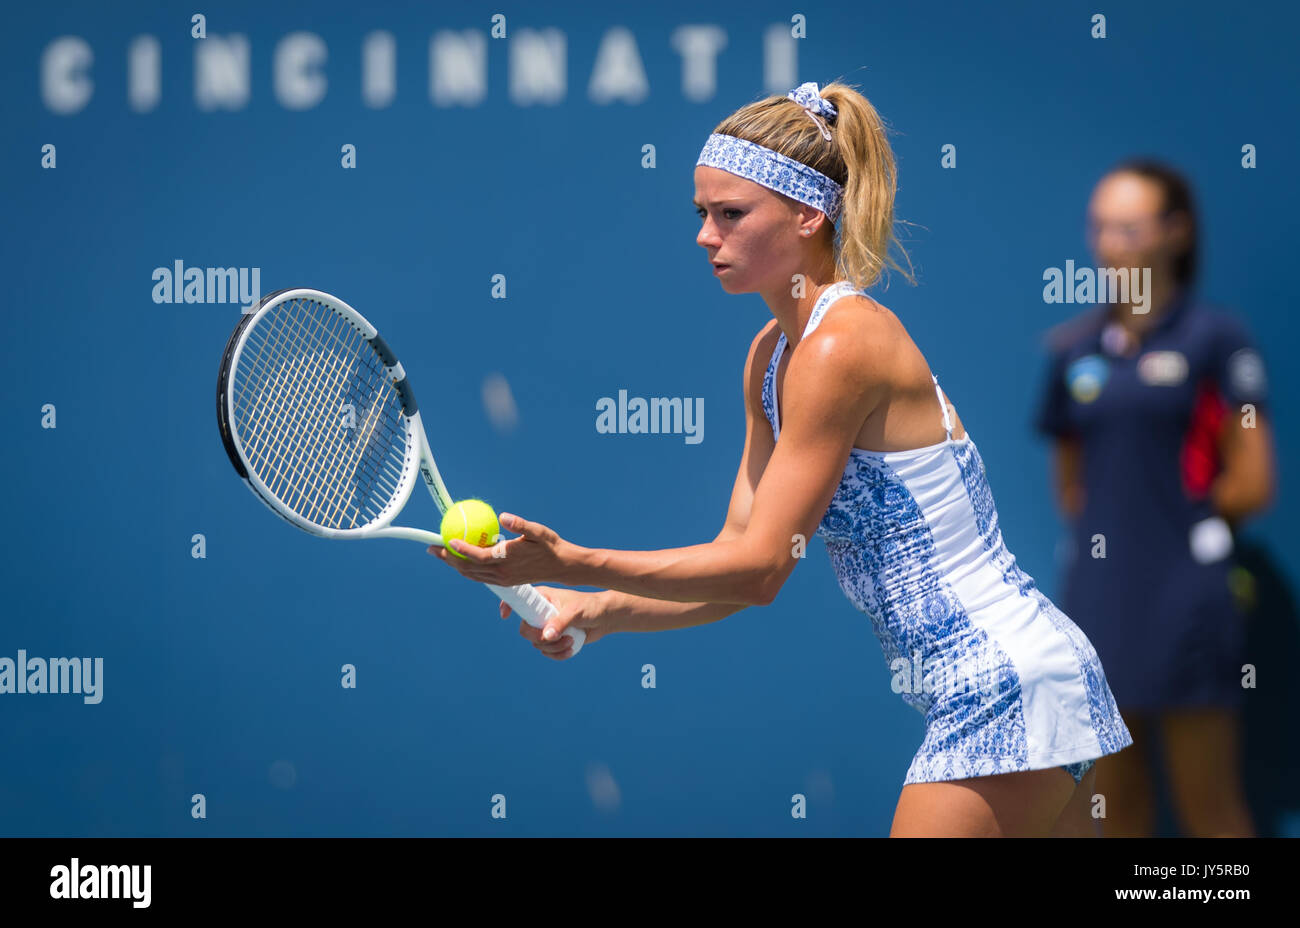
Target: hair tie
819	110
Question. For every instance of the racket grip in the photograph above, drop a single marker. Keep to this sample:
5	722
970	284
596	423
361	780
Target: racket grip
535	609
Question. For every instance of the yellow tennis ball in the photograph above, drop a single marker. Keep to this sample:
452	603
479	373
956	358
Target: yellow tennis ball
472	521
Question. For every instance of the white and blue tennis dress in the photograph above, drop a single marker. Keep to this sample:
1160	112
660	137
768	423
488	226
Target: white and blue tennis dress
1007	682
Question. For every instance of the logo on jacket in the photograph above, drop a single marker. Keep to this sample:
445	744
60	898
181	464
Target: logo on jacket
1162	368
1086	376
1246	373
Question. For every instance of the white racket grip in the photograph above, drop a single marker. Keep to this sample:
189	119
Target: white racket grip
535	609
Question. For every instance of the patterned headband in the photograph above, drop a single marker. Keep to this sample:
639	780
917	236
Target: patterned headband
774	170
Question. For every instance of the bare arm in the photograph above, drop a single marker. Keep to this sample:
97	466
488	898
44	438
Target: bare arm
1067	461
1246	483
625	612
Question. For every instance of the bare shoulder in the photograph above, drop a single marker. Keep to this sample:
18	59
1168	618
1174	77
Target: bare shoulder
766	338
858	338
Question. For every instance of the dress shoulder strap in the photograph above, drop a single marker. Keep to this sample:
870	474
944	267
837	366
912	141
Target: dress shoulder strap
769	387
947	420
829	296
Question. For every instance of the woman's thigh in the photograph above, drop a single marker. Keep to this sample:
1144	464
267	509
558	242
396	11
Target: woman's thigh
1076	819
1203	758
1024	804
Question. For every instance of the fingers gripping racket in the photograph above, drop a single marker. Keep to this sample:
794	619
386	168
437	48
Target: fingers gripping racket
320	421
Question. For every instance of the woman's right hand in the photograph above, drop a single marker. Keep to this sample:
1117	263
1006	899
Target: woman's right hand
574	609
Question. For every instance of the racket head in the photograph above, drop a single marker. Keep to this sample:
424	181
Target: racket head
316	415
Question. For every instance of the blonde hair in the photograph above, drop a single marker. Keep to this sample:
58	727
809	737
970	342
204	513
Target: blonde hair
858	157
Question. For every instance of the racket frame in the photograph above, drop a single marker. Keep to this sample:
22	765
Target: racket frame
418	460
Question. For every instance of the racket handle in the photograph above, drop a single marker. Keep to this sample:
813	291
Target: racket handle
535	609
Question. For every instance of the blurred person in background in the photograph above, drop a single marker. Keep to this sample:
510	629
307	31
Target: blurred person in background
1157	408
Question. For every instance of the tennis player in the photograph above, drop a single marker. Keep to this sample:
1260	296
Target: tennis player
848	435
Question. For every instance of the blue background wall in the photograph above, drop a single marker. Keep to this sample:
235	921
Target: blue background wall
222	674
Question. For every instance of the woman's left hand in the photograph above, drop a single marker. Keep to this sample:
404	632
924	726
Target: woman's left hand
537	555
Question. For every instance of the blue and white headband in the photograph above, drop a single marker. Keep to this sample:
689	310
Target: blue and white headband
774	170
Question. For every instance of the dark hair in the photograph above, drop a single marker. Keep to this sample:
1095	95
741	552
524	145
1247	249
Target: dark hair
1178	198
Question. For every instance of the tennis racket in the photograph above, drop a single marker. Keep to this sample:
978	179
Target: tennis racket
319	419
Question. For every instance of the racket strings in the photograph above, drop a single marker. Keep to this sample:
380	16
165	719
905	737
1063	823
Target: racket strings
317	416
327	497
284	449
284	452
321	493
330	373
288	430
